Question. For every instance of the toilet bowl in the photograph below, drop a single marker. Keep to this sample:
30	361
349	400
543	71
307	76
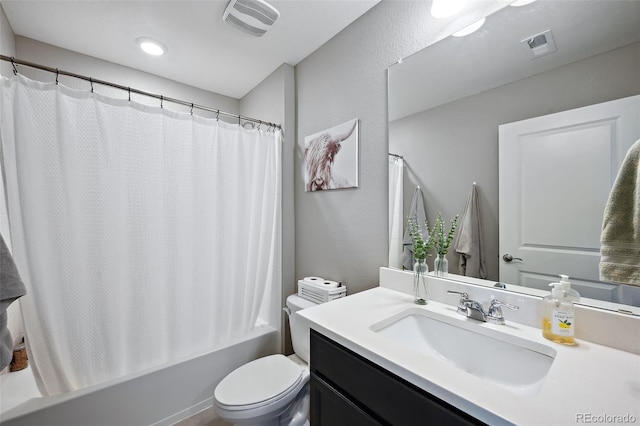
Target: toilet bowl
263	391
272	390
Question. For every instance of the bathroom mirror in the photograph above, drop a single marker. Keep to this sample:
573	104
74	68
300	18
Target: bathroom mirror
447	101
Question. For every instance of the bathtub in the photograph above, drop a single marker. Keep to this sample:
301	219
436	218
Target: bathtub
161	395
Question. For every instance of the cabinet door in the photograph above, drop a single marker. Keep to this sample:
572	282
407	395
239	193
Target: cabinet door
375	391
330	408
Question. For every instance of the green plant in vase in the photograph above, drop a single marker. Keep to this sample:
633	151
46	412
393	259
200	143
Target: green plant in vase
442	243
420	252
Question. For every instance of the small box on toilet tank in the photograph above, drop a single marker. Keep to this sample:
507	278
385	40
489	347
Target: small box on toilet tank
319	290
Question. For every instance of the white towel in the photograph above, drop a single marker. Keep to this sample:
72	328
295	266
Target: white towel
415	211
11	287
469	242
620	238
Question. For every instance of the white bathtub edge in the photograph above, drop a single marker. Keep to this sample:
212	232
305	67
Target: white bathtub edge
181	388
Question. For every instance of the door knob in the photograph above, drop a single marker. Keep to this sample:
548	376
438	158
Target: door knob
508	258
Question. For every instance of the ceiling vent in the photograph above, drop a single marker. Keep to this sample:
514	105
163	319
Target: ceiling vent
539	44
253	17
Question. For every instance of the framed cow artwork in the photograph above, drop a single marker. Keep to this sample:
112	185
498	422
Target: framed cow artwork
331	158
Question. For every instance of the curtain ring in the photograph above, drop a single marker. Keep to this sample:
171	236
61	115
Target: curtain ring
15	70
161	101
192	109
57	75
260	124
218	115
91	81
129	90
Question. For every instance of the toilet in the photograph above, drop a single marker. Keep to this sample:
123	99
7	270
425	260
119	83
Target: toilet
273	390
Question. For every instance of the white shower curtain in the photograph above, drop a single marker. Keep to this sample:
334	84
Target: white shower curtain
396	220
143	235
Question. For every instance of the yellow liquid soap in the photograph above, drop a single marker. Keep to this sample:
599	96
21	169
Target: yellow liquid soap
548	334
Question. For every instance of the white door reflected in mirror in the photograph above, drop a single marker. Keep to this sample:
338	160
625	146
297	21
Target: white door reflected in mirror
543	218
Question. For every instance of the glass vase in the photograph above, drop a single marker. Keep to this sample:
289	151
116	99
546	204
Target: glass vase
441	266
420	270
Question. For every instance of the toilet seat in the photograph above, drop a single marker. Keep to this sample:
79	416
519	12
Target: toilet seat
260	382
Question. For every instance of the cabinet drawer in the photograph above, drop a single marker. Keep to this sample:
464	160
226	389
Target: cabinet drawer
332	408
378	391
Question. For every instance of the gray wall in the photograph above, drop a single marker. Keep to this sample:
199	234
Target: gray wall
7	43
56	57
342	234
8	48
464	134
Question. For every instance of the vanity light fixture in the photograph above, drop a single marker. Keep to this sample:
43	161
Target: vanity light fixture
470	29
445	8
150	46
519	3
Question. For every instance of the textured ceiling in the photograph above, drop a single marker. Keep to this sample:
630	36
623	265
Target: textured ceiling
203	51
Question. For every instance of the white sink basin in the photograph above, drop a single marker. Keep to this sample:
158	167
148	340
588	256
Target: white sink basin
519	365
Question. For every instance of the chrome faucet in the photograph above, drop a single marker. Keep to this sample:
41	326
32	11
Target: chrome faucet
472	309
469	308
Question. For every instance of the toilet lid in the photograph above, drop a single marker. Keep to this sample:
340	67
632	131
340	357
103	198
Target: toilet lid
258	381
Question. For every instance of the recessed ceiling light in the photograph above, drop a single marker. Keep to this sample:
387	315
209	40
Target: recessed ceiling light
446	8
150	46
470	29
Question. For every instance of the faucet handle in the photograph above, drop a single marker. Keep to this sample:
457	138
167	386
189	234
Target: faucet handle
495	310
462	294
463	303
496	303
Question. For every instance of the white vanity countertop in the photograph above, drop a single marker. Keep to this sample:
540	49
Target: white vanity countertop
586	382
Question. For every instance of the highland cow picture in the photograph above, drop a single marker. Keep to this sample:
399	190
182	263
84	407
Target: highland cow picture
331	158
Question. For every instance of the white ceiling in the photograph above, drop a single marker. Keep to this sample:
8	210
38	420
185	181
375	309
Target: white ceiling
203	51
493	56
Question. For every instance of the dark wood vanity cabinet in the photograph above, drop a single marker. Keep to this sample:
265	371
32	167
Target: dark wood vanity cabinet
348	389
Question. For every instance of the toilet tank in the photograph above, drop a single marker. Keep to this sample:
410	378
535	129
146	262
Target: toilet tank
300	332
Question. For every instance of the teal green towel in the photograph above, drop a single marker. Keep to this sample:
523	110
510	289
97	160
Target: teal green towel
620	239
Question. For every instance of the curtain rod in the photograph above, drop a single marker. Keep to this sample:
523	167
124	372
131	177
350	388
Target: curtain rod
162	98
396	155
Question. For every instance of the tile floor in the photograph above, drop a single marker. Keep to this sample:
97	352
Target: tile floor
204	418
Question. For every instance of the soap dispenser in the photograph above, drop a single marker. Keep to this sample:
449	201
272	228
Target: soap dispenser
569	293
558	319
